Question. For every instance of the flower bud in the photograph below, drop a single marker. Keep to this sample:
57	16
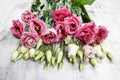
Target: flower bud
93	62
110	56
23	49
72	49
68	40
74	60
98	51
20	56
80	54
104	48
48	55
60	65
26	55
47	65
42	58
39	56
14	56
81	66
40	42
59	56
53	61
32	52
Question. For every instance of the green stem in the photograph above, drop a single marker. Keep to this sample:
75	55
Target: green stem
85	15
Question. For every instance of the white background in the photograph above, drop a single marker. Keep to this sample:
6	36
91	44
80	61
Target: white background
104	12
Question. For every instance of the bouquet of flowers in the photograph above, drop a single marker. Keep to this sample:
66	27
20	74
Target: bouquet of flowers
56	28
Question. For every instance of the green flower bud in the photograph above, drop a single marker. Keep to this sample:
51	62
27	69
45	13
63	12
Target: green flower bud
53	61
60	65
80	54
40	42
81	66
39	56
59	56
14	56
48	55
32	52
26	55
42	58
22	49
74	60
70	59
47	65
36	52
93	62
20	56
110	56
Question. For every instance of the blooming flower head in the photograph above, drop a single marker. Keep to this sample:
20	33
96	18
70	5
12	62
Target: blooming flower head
27	16
29	39
60	28
17	28
101	34
89	51
50	36
61	14
72	49
37	26
72	24
86	33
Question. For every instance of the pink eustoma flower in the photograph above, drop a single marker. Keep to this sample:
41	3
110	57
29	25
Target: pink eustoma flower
29	40
72	24
101	34
89	51
17	28
86	33
27	16
37	26
50	36
60	28
61	14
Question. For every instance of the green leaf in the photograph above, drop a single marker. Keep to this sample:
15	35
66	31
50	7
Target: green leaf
82	2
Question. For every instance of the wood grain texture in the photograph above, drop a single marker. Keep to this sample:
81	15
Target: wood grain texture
104	12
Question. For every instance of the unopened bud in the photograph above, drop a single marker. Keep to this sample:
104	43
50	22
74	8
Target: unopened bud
39	56
110	56
48	55
32	52
93	62
14	56
39	43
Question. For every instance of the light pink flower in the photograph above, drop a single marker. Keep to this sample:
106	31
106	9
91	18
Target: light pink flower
101	34
61	14
37	26
17	28
86	33
72	24
27	16
29	39
60	28
89	51
50	36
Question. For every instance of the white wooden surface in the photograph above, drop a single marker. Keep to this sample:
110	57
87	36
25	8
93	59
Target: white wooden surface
104	12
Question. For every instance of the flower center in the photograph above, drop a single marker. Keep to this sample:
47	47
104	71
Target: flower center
37	28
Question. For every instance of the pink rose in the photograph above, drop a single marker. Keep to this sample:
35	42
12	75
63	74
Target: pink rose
37	26
61	14
60	28
50	36
86	33
89	51
72	24
29	39
101	34
17	28
27	16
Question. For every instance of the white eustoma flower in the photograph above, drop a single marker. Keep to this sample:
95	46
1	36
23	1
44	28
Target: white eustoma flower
32	52
72	49
98	50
